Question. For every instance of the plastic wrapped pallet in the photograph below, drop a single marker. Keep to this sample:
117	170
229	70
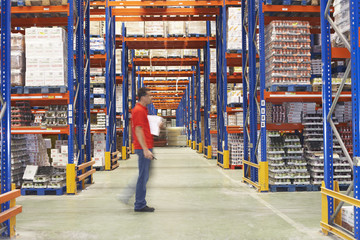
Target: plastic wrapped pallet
142	53
97	28
213	60
288	55
97	44
196	28
190	53
135	29
213	28
158	53
154	29
234	30
174	53
176	29
46	57
176	136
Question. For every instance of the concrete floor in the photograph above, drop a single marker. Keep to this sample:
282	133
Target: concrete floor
194	199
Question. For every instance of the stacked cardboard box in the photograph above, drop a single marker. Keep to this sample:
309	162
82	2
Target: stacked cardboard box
135	29
19	157
176	29
236	147
46	57
17	59
60	154
97	44
99	149
37	150
196	28
234	31
156	29
176	136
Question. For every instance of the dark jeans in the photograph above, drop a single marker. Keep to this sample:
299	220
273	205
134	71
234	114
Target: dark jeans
144	170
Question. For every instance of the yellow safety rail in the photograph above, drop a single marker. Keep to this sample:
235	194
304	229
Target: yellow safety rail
338	197
263	175
14	209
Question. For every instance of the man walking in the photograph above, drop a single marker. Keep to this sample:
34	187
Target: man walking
143	143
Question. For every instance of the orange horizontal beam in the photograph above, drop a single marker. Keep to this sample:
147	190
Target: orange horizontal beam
236	78
314	21
166	82
39	22
280	97
291	8
12	212
5	197
161	98
103	110
163	11
41	9
168	43
167	93
166	88
166	101
161	19
146	3
165	74
166	61
42	99
40	130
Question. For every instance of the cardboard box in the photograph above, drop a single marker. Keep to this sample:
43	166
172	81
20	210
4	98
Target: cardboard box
64	149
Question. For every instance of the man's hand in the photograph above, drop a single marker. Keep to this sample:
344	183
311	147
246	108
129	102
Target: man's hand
148	154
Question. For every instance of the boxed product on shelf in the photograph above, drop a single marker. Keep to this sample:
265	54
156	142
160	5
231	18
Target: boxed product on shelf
236	147
135	29
21	114
190	53
174	53
19	158
234	29
142	53
213	60
99	90
46	57
97	71
316	66
176	136
176	29
37	150
214	145
234	97
158	53
196	28
97	44
119	102
17	59
347	218
154	29
99	149
97	28
288	53
59	155
342	15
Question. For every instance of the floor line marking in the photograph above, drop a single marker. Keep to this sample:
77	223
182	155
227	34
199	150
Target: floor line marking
297	226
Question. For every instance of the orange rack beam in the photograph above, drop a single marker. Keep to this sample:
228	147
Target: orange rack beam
42	99
165	98
160	11
168	3
166	88
40	130
167	93
166	73
102	110
340	53
280	97
171	42
167	83
166	61
291	8
236	78
103	130
162	19
39	22
41	9
119	79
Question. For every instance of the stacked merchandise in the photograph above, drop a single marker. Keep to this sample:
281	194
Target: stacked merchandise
46	57
44	177
99	149
279	173
313	143
236	119
154	29
295	160
135	29
278	114
174	53
176	29
158	53
19	157
56	116
346	136
294	111
316	66
97	45
196	29
21	114
234	31
17	59
98	101
37	150
59	154
97	76
213	60
119	97
139	53
97	28
288	53
236	148
214	144
342	21
235	97
189	53
202	100
213	97
118	55
176	136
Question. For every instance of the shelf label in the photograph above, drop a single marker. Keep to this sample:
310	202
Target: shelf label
285	9
46	9
262	110
262	124
263	103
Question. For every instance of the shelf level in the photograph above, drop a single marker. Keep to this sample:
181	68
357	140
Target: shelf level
42	99
166	73
168	43
166	61
166	83
280	97
40	130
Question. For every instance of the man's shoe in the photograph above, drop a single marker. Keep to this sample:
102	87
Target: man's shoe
145	209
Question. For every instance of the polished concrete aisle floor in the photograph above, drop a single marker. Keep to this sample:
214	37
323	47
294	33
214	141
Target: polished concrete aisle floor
194	199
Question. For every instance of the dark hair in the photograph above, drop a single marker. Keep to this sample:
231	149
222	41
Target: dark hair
142	92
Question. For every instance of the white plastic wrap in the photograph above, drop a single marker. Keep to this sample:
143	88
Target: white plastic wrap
135	28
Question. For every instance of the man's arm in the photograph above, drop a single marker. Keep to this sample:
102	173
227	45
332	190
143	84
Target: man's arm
141	138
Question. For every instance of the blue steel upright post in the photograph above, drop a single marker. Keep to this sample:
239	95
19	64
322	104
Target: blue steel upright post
218	87
245	87
263	167
327	102
207	138
192	99
355	80
198	105
6	106
133	79
70	168
125	96
252	88
87	88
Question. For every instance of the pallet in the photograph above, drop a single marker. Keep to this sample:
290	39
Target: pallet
154	36
290	188
44	90
43	191
342	187
97	52
235	105
290	88
134	36
286	2
17	90
176	35
97	105
234	51
97	95
196	35
45	2
235	166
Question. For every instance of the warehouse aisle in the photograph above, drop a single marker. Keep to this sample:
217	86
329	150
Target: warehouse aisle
194	199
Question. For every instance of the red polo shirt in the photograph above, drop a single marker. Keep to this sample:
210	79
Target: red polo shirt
139	118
